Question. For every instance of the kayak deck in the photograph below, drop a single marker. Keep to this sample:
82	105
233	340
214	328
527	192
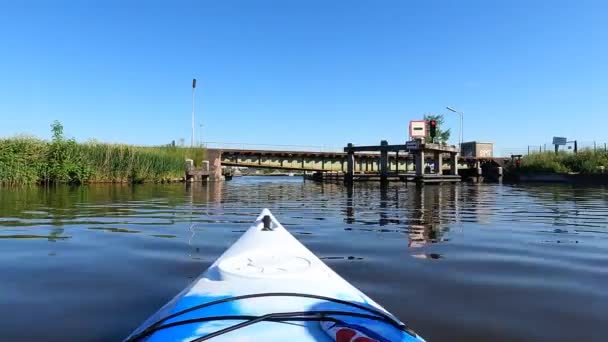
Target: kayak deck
268	271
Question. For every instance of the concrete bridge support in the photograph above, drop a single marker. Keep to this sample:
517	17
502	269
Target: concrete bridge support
454	164
438	162
419	161
215	165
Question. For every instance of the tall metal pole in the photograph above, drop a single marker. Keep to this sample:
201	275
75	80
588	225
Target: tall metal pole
193	88
461	115
461	130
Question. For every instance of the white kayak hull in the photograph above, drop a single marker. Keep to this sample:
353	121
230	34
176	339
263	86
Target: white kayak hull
265	261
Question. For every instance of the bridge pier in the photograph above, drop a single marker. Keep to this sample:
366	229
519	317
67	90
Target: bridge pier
420	163
454	164
350	166
397	163
438	163
383	161
215	165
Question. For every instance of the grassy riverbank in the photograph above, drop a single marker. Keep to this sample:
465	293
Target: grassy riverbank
26	160
585	162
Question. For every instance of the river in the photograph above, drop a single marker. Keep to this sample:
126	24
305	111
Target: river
457	263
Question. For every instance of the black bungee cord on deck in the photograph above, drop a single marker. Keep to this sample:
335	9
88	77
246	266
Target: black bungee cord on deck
320	315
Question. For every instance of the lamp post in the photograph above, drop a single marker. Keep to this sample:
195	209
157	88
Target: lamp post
461	114
193	88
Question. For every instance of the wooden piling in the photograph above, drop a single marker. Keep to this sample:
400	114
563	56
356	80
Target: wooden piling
383	161
350	165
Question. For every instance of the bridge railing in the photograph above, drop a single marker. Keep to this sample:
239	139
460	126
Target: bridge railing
271	147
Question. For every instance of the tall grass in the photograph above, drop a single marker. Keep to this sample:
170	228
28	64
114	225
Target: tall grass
27	160
586	161
22	160
126	163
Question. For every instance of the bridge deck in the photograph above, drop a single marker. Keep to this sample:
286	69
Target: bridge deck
404	155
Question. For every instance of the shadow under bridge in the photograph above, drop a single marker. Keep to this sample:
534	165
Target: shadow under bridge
301	160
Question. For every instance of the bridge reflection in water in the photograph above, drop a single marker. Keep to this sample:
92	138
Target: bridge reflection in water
429	212
424	214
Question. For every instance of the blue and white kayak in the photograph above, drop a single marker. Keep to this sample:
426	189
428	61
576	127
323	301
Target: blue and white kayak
268	287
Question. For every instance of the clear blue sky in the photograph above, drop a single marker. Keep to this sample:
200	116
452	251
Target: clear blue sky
307	72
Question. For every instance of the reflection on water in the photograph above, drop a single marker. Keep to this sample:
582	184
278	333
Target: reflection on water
465	262
422	225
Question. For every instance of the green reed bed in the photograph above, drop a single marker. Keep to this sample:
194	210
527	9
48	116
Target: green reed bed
586	161
126	163
27	160
22	160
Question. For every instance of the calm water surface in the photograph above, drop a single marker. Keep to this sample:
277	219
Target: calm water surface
457	263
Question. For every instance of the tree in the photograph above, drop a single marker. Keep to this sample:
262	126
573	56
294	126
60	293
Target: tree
66	163
442	136
57	129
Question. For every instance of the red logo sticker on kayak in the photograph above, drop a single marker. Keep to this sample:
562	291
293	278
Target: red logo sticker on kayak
345	334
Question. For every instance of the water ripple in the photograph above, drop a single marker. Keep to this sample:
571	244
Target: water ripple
465	262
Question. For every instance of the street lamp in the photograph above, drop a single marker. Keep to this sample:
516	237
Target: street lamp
461	114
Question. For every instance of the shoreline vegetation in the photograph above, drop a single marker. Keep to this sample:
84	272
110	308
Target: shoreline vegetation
584	162
29	160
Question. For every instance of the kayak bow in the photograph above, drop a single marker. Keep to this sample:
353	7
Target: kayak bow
268	287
